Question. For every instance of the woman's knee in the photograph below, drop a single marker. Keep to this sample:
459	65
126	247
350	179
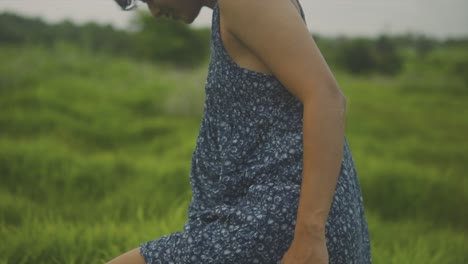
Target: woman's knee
130	257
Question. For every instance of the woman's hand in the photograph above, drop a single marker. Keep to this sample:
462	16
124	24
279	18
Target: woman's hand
307	248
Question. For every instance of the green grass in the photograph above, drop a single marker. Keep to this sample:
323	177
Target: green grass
95	155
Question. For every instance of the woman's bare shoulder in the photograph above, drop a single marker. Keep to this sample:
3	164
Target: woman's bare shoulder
276	33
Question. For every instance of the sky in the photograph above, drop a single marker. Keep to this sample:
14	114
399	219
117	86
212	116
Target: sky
435	18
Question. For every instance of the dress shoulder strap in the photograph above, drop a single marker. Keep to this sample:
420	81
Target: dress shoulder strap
302	11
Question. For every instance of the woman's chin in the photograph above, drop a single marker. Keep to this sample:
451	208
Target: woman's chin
187	20
190	18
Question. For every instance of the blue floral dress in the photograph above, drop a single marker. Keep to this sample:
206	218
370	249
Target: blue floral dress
246	173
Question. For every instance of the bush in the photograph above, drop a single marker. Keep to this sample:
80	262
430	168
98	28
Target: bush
365	56
168	41
389	62
356	56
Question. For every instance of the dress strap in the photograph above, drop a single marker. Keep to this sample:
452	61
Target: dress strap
302	11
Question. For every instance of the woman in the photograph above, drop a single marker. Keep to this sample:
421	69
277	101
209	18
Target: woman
272	176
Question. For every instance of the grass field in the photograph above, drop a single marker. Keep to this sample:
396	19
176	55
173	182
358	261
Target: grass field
95	155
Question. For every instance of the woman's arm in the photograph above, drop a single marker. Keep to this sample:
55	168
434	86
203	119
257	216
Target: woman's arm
323	137
275	32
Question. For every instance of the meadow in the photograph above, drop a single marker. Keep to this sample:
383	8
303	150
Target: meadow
95	155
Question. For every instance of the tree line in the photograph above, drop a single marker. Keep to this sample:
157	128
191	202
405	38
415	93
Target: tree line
162	40
167	41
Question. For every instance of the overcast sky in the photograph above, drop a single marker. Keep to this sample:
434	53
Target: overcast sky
437	18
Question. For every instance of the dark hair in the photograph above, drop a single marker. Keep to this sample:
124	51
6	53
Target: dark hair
128	4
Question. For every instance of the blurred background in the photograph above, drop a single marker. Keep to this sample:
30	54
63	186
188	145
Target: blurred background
100	111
